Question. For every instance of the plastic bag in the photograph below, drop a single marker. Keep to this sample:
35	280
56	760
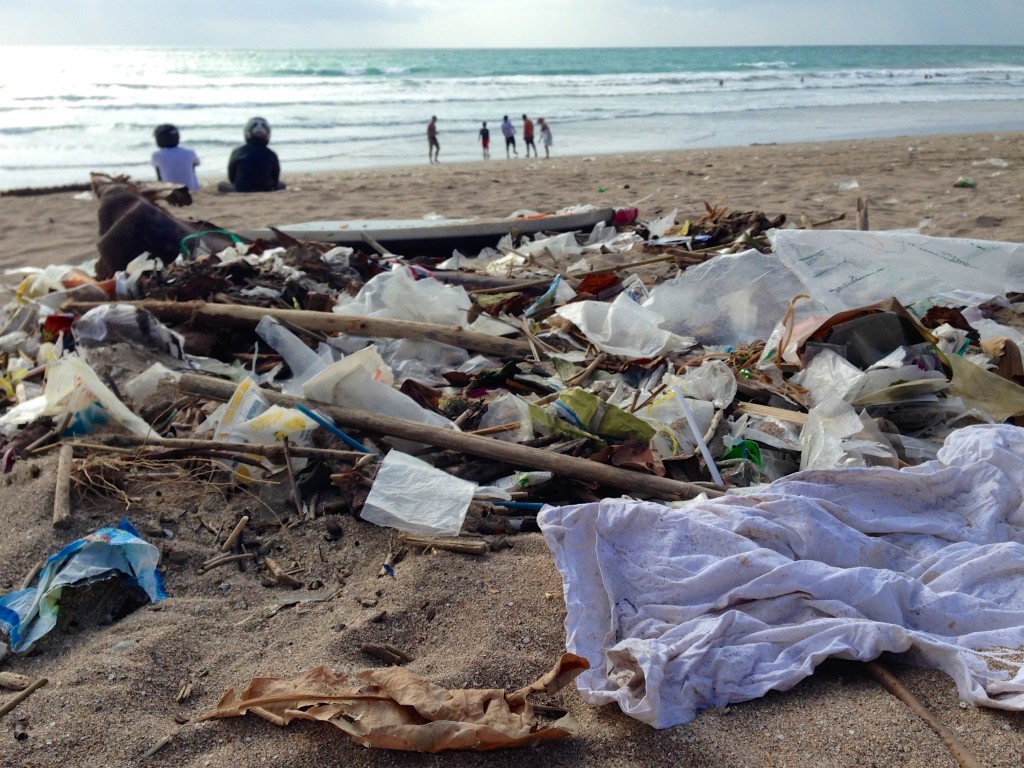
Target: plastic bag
623	328
28	614
412	496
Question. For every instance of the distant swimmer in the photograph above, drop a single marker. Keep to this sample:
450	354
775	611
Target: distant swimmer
173	163
253	167
528	136
485	140
433	148
509	132
545	136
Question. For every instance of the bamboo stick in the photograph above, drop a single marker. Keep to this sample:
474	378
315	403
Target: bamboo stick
510	453
187	312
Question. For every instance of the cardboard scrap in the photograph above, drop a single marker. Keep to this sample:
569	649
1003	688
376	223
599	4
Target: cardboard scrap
396	709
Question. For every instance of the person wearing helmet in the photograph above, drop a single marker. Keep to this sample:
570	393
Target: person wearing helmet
173	163
253	167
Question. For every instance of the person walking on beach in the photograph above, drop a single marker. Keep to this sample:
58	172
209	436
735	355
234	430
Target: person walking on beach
485	140
509	133
545	137
253	167
173	163
528	136
433	148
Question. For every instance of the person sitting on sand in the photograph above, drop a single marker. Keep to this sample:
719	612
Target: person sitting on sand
174	164
510	137
433	148
253	167
485	140
545	137
528	136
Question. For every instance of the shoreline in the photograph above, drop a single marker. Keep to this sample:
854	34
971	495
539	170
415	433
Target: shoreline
907	182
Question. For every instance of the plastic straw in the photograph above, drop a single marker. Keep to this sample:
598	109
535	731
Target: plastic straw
327	424
712	467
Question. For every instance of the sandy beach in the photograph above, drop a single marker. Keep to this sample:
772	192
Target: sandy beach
488	621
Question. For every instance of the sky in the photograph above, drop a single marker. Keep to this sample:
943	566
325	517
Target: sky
509	23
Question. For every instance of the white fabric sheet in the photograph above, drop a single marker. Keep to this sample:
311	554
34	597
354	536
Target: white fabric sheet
679	610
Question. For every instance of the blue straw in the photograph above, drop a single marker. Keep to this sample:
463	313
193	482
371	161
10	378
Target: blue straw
327	424
526	506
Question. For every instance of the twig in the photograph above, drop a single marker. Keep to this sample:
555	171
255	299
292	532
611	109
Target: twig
156	748
39	683
217	562
229	542
891	683
56	432
36	570
62	494
585	374
296	496
387	653
497	428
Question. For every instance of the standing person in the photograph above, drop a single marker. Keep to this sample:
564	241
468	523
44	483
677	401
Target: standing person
528	136
510	136
253	167
545	137
173	163
433	148
485	140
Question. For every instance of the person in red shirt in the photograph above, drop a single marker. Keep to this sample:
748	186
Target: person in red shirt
528	136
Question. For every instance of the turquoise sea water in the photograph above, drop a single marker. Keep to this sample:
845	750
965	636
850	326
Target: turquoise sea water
66	111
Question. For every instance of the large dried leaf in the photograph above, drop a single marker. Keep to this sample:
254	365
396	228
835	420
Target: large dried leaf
396	709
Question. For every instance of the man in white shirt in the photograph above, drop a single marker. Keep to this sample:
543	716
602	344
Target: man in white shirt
173	163
509	132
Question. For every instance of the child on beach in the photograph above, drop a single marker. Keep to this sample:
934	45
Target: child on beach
545	137
253	167
485	140
173	163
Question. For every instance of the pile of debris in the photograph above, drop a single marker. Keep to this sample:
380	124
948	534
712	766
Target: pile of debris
555	370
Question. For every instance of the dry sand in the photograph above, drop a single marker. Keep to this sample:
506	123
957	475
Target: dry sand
492	621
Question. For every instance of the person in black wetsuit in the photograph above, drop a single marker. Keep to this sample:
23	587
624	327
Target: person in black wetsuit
253	167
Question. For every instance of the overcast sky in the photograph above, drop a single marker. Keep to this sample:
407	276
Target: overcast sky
509	23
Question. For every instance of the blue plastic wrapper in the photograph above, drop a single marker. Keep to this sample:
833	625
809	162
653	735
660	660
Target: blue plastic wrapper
28	614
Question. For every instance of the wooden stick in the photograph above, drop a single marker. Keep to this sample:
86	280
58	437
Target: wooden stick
229	542
371	241
273	452
62	495
796	417
296	496
862	214
39	683
892	684
453	544
217	562
188	312
510	453
163	742
585	374
54	433
381	652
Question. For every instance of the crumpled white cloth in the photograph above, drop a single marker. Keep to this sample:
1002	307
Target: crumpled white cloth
679	610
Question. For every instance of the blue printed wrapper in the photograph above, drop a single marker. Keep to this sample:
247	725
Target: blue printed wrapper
28	614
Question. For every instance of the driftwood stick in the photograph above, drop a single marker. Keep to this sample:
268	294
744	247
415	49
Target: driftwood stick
382	652
273	452
39	683
892	684
448	544
187	312
62	495
371	241
229	542
53	434
523	456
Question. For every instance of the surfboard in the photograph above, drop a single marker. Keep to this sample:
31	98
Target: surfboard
430	237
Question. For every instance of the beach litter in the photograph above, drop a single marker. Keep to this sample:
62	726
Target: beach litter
397	709
721	396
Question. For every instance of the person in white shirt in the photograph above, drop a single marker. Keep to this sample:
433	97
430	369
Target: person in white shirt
509	132
173	163
545	137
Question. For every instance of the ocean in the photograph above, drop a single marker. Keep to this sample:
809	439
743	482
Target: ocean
65	111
